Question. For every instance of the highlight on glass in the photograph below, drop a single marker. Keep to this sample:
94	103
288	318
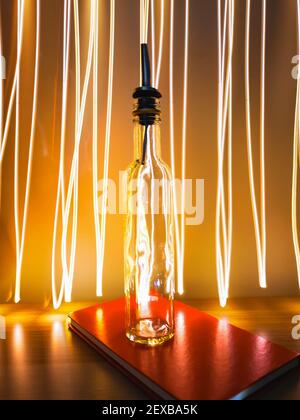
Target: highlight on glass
149	233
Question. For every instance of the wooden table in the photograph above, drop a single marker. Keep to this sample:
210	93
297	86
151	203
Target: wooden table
41	359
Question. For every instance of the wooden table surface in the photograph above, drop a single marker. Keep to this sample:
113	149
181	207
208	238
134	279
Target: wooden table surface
41	359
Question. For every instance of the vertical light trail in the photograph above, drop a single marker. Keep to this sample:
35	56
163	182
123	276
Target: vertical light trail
156	68
142	4
107	141
72	194
3	143
260	228
14	86
296	161
161	42
184	141
223	217
262	141
20	236
179	230
172	147
153	40
230	198
1	102
230	201
16	166
144	24
60	199
99	274
145	269
220	272
68	268
72	191
224	112
146	20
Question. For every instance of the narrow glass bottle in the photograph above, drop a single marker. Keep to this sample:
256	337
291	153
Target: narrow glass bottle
149	234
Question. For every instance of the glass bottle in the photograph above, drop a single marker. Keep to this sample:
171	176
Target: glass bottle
149	233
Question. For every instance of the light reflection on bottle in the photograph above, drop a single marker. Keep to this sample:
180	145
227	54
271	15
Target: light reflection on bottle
149	239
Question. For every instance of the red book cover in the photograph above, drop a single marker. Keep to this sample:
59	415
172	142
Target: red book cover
208	359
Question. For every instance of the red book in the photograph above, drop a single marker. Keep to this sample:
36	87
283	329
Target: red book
208	359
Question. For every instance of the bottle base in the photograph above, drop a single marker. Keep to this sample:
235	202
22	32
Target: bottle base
151	342
150	332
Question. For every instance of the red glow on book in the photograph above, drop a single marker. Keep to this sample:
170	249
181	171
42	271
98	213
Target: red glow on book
208	359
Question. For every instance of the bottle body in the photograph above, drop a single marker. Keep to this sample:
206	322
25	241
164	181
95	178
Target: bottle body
149	242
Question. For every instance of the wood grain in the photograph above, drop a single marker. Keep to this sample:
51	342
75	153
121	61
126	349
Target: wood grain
41	359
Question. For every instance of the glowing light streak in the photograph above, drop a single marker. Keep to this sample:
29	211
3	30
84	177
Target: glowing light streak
14	86
68	272
99	273
16	167
153	39
225	121
107	141
156	69
161	42
167	204
68	269
262	141
144	25
172	146
20	236
60	199
179	231
142	5
260	226
155	78
145	5
145	245
1	103
296	161
221	66
144	265
184	141
224	226
143	21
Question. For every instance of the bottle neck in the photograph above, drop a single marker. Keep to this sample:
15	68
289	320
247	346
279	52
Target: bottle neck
147	141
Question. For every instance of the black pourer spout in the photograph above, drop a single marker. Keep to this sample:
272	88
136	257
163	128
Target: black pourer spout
147	97
146	71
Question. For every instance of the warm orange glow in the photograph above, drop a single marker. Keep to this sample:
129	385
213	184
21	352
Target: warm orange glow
1	106
20	234
296	161
18	337
161	43
153	39
95	153
179	231
144	21
20	28
144	24
172	145
72	191
50	199
60	200
156	68
259	225
224	217
107	145
184	142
